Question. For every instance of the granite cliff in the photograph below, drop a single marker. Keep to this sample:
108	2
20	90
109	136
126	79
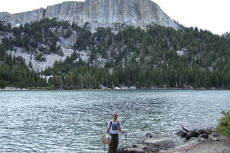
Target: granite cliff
97	13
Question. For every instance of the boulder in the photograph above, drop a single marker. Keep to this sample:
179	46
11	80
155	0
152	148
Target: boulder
149	145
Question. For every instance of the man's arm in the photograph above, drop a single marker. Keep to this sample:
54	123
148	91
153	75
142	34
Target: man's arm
122	131
107	131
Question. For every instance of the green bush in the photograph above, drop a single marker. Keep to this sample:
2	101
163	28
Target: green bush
223	127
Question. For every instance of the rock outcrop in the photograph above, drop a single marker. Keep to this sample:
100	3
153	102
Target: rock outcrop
97	12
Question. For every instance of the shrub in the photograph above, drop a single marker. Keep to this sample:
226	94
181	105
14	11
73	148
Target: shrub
223	127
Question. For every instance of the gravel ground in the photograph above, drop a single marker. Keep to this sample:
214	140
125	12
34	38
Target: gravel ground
207	146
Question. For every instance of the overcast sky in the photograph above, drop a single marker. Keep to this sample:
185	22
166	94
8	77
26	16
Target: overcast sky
212	15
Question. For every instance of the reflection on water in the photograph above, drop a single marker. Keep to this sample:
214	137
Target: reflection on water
74	121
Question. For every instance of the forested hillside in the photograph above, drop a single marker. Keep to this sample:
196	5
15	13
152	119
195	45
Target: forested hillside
15	73
123	55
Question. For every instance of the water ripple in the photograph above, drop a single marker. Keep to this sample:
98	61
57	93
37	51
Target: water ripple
74	121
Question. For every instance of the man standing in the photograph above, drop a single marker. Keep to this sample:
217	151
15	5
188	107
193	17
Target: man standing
114	127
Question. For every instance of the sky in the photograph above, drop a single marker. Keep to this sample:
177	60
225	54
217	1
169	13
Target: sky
211	15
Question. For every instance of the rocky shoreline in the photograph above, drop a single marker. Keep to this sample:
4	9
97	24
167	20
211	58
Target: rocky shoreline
211	143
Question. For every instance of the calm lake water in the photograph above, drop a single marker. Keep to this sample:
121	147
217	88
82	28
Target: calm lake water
74	121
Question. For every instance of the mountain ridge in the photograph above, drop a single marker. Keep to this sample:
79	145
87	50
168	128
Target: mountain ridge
100	13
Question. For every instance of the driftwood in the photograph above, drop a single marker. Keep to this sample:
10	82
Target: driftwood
187	134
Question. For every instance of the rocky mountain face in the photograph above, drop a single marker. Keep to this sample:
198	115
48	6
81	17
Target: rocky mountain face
97	13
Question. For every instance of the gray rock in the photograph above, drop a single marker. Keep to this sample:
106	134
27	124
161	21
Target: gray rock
149	135
215	139
98	12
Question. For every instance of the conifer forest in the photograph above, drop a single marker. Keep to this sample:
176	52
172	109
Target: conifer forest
154	57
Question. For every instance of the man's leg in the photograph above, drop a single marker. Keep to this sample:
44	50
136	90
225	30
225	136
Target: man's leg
113	144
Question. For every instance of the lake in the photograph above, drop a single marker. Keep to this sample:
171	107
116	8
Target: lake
74	121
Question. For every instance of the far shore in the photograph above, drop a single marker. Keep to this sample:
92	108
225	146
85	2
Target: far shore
122	88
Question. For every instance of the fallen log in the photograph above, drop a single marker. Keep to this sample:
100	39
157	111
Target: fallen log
193	133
